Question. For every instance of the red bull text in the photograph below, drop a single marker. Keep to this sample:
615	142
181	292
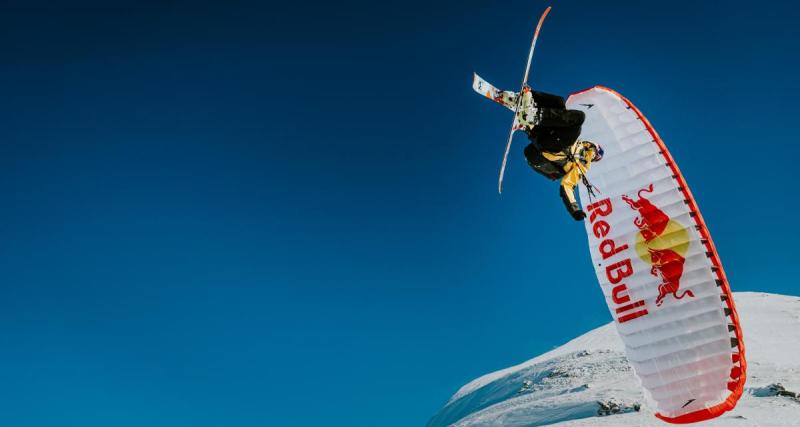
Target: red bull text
625	309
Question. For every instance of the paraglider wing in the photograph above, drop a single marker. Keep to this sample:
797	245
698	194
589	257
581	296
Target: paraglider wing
657	266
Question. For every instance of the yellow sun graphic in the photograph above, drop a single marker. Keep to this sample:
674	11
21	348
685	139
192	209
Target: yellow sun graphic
674	237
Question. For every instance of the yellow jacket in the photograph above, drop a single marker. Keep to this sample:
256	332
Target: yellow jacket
583	153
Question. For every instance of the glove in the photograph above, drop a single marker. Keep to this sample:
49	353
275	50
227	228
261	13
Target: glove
576	211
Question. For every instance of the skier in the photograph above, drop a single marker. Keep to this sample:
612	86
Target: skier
555	150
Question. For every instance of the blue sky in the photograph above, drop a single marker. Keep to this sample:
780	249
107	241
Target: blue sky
247	214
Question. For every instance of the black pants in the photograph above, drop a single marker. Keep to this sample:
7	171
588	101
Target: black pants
546	100
558	127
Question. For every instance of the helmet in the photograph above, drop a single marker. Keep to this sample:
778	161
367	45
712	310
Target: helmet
598	153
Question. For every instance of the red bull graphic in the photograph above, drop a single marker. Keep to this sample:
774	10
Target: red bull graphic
667	265
651	221
662	243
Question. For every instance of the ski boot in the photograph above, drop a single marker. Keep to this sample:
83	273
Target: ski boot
528	115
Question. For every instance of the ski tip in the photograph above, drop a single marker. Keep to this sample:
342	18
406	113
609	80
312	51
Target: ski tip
544	15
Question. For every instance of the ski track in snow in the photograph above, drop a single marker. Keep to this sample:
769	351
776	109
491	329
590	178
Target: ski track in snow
563	386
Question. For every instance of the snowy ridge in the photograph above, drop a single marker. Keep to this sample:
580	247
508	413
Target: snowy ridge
602	338
567	385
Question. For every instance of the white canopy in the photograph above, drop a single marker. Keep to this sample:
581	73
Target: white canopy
657	266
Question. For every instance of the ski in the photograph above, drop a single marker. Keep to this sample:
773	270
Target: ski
515	124
488	90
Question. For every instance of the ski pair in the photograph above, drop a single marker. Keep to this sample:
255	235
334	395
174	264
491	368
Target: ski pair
514	104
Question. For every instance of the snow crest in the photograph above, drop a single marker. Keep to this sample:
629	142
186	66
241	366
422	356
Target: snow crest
588	381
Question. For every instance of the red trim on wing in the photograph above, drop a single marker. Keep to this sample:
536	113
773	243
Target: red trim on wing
738	373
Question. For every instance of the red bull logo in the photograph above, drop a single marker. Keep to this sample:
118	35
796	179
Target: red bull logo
651	221
662	243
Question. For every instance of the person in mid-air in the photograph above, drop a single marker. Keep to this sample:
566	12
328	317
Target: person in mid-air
555	150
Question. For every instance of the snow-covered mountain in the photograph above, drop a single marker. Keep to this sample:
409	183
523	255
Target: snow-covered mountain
588	382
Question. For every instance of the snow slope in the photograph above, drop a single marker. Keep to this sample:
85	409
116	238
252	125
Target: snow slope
567	385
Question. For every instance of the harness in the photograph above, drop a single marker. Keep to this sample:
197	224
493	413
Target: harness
570	153
540	164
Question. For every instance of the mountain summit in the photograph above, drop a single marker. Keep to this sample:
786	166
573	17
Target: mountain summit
588	380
